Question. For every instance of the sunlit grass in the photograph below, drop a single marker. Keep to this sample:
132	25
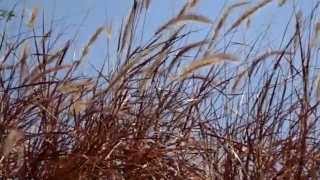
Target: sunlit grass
168	109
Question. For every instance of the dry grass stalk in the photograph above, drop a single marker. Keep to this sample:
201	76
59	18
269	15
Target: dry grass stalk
281	2
11	140
23	61
92	39
207	60
78	106
248	13
109	31
317	30
71	87
184	18
33	17
191	17
318	86
36	75
240	76
193	3
146	4
316	37
150	71
224	17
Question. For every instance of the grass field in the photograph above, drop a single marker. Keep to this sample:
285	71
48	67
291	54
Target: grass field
167	109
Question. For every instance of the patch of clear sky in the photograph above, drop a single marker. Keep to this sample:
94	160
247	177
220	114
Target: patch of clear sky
85	16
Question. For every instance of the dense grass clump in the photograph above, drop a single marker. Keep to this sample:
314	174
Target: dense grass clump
167	109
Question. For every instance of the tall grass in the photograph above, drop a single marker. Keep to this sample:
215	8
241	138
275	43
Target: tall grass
155	116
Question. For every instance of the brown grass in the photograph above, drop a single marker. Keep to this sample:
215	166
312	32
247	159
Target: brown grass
257	119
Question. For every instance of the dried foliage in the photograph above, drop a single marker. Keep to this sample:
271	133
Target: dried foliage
257	119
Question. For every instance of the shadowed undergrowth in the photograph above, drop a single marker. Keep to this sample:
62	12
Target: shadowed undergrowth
167	108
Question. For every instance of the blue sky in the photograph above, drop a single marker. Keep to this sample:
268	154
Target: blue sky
86	15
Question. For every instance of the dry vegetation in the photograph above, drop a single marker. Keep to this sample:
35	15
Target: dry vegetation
157	114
